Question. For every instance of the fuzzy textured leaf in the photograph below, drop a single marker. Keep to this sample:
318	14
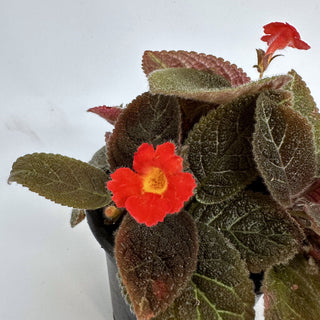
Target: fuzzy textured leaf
154	119
110	114
156	263
313	192
220	289
189	80
183	308
312	210
220	154
292	291
100	160
256	225
283	147
184	84
64	180
191	112
154	60
77	216
304	103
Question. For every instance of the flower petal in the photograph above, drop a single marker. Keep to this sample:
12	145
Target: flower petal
143	159
167	160
125	183
267	38
180	189
299	44
148	208
273	27
163	157
279	35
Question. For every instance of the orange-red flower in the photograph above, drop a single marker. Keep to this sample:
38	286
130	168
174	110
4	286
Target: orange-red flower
156	187
281	35
278	35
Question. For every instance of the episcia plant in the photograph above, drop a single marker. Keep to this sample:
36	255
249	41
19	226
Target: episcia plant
210	177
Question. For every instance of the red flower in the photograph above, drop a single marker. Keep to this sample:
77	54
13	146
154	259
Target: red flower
157	187
281	35
278	35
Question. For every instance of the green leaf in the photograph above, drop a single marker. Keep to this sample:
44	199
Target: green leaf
312	219
256	225
186	80
155	60
156	263
194	84
302	100
185	307
191	112
100	160
77	215
292	291
62	179
303	103
149	118
220	289
220	154
283	147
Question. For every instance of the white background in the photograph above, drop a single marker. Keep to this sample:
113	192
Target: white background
60	57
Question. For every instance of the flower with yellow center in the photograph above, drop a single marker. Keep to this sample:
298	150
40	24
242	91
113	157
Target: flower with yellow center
156	187
155	181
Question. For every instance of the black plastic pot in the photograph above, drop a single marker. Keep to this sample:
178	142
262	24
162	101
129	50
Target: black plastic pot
104	234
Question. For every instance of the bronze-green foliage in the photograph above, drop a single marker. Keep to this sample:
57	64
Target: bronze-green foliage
256	225
191	112
304	103
77	215
292	291
155	60
254	150
192	84
99	160
62	179
220	152
220	288
149	118
156	263
186	80
283	146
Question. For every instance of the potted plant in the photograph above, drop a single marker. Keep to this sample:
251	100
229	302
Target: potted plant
206	181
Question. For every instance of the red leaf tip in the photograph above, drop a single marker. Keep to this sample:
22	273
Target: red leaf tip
110	114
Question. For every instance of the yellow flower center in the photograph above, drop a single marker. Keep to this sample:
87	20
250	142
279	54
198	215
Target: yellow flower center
155	181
